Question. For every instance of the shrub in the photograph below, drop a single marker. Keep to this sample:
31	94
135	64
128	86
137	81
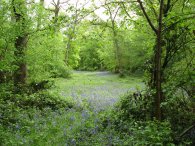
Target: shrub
150	133
42	100
134	105
12	104
47	127
37	86
61	72
180	112
135	132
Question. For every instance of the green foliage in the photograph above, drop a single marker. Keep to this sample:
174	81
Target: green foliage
177	110
37	36
44	99
135	105
97	48
89	51
32	120
135	132
41	127
180	112
72	49
22	116
179	72
44	127
61	71
150	133
41	100
7	36
45	57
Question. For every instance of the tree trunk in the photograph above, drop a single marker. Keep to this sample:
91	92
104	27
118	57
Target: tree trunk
2	77
157	72
20	73
68	49
41	6
55	18
71	35
2	74
117	52
20	45
115	40
157	65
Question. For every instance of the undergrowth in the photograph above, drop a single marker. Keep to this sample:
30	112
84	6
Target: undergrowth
49	118
70	125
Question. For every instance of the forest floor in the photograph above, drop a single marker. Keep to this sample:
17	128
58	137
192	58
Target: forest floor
100	89
92	94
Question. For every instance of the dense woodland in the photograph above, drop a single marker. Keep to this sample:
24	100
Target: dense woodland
46	45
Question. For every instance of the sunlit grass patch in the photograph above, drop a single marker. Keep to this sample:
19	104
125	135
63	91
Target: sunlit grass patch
100	89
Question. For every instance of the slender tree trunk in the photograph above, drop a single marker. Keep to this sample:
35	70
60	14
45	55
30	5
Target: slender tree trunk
117	51
158	78
71	36
115	40
68	46
56	13
68	49
42	3
157	73
2	77
2	74
41	6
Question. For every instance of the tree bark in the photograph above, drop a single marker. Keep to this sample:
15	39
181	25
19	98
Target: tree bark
2	74
115	40
156	74
117	51
2	77
56	14
41	6
71	35
20	73
68	49
158	78
20	45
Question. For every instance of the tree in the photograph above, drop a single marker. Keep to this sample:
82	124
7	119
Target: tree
77	13
90	43
19	16
160	60
45	52
112	17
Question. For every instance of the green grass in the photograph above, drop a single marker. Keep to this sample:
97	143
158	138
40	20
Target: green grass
95	78
100	89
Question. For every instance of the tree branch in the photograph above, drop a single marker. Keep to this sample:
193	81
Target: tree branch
187	130
155	13
147	17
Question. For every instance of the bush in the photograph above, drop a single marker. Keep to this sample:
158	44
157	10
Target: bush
135	132
42	99
37	86
180	112
47	127
150	133
12	104
61	72
134	105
